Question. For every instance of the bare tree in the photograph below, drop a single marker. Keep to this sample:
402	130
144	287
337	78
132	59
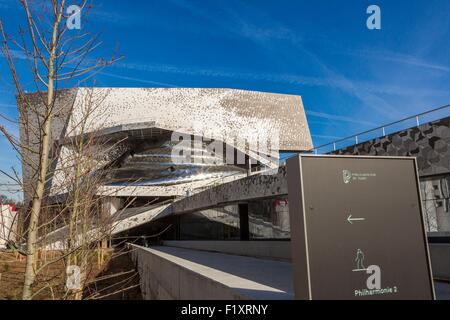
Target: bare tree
57	57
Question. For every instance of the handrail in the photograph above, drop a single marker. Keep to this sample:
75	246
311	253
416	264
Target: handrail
383	128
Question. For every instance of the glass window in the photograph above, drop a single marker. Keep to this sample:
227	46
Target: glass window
269	219
436	203
212	224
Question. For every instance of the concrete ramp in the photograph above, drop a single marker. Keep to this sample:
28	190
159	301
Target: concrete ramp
178	273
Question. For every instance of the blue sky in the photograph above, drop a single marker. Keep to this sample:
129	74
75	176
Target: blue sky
350	78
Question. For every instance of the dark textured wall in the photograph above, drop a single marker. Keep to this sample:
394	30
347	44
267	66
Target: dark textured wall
429	143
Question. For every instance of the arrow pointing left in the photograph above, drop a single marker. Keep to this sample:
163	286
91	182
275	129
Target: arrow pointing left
350	219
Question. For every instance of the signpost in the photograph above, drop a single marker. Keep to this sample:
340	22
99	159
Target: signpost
357	228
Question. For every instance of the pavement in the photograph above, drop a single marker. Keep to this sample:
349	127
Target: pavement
250	277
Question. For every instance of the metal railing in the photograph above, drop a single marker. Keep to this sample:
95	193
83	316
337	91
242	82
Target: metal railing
390	128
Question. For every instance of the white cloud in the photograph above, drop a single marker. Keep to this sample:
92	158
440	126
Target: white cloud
401	58
157	83
324	136
329	116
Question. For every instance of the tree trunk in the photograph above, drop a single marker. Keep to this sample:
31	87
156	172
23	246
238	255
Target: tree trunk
32	236
35	211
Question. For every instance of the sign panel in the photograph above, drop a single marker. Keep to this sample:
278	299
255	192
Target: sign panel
357	228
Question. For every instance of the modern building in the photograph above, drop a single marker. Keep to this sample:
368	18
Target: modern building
209	191
164	147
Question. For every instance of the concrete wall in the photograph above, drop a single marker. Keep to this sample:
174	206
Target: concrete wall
163	278
28	132
123	219
440	260
250	188
165	190
111	205
280	250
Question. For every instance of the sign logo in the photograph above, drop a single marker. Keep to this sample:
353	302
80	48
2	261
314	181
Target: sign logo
347	176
